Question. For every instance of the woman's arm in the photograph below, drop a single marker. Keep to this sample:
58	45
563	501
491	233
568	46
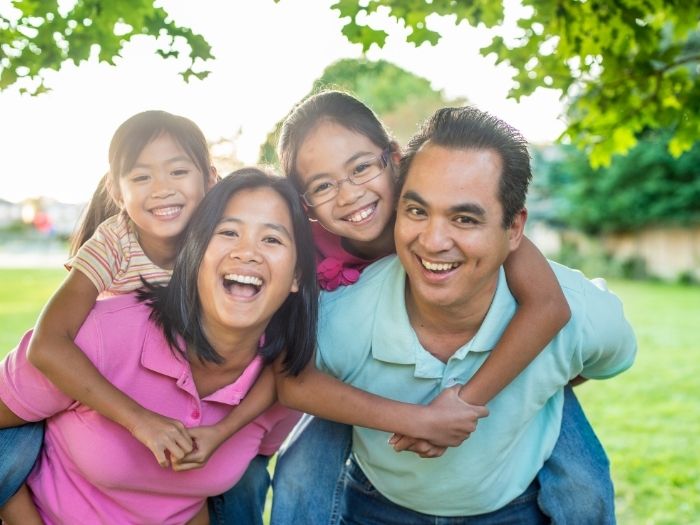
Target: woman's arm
446	421
542	312
54	353
208	438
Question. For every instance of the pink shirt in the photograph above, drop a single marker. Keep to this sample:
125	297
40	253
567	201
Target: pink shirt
92	470
335	266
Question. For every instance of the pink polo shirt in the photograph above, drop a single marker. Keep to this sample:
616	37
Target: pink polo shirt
92	470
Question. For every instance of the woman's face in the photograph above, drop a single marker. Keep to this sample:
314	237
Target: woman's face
249	266
359	213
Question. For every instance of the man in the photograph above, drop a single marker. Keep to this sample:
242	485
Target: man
425	320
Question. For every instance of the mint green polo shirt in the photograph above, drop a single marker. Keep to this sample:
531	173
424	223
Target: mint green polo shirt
365	339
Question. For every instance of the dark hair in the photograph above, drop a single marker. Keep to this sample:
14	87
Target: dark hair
127	143
326	106
99	208
468	128
176	306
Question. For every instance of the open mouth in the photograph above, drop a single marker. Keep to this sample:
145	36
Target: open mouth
361	215
240	285
438	267
167	212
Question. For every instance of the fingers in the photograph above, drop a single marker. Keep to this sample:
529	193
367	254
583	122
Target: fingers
404	443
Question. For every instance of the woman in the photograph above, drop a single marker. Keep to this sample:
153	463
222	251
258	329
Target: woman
243	291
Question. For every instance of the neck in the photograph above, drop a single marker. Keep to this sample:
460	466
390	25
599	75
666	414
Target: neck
442	330
237	350
161	252
374	249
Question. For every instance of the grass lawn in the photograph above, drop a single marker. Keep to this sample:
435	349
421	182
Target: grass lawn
648	418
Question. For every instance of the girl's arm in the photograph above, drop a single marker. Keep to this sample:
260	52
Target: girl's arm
54	353
208	438
542	312
446	421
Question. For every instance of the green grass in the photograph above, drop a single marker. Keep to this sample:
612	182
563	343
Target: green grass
648	418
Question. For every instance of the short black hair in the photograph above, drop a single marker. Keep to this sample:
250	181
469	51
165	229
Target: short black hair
468	128
177	308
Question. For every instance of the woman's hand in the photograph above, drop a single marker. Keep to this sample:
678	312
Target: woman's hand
166	438
206	440
449	420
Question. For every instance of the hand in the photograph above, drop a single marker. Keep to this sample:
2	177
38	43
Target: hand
166	438
423	448
449	420
206	441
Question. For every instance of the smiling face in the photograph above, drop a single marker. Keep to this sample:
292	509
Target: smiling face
249	266
360	213
161	191
449	235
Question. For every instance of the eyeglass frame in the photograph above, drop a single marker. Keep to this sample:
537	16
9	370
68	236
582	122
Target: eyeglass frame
383	157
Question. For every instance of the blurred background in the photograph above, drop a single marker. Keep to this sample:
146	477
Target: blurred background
606	93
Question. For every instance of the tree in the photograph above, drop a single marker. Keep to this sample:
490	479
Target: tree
39	35
646	187
401	99
623	67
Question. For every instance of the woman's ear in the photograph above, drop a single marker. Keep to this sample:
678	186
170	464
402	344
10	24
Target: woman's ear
395	155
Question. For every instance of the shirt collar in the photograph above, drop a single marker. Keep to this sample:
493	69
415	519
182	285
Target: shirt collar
156	355
395	341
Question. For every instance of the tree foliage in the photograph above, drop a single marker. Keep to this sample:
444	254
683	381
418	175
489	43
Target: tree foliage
646	187
40	35
623	66
401	99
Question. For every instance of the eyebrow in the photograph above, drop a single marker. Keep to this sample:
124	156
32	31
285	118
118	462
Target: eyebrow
467	207
272	225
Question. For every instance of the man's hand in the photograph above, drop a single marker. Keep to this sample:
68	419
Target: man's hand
166	438
206	440
449	420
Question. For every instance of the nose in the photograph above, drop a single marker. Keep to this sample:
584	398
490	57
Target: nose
246	250
435	237
348	192
161	187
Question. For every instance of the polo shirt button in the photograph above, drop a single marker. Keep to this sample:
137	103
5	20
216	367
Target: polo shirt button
195	414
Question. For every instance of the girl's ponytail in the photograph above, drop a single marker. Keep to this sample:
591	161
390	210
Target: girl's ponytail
100	208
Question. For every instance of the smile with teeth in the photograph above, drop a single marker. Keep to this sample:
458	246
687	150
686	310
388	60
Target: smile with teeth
362	214
244	279
438	267
170	211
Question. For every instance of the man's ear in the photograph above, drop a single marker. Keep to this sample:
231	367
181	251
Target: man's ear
517	229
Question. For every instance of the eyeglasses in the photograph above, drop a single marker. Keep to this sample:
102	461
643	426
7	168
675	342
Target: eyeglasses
324	189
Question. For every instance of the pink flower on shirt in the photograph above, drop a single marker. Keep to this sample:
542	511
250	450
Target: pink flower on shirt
332	274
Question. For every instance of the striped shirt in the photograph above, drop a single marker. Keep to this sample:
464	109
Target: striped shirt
113	259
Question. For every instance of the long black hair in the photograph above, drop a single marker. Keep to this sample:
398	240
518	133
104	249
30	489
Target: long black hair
177	308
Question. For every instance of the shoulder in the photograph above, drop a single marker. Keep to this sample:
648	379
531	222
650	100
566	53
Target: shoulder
121	317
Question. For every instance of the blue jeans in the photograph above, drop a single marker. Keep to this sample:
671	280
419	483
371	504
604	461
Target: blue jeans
575	484
19	449
365	505
245	502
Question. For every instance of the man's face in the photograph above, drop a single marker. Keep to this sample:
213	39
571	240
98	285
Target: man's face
449	234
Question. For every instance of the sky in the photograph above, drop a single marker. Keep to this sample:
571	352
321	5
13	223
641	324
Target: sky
267	56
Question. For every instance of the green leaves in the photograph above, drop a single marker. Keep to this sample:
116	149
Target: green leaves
622	66
42	37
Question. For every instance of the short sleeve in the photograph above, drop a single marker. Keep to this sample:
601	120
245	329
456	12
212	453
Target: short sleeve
25	390
285	421
101	257
608	344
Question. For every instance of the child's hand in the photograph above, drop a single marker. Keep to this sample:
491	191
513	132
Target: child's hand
166	438
450	420
423	448
206	440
